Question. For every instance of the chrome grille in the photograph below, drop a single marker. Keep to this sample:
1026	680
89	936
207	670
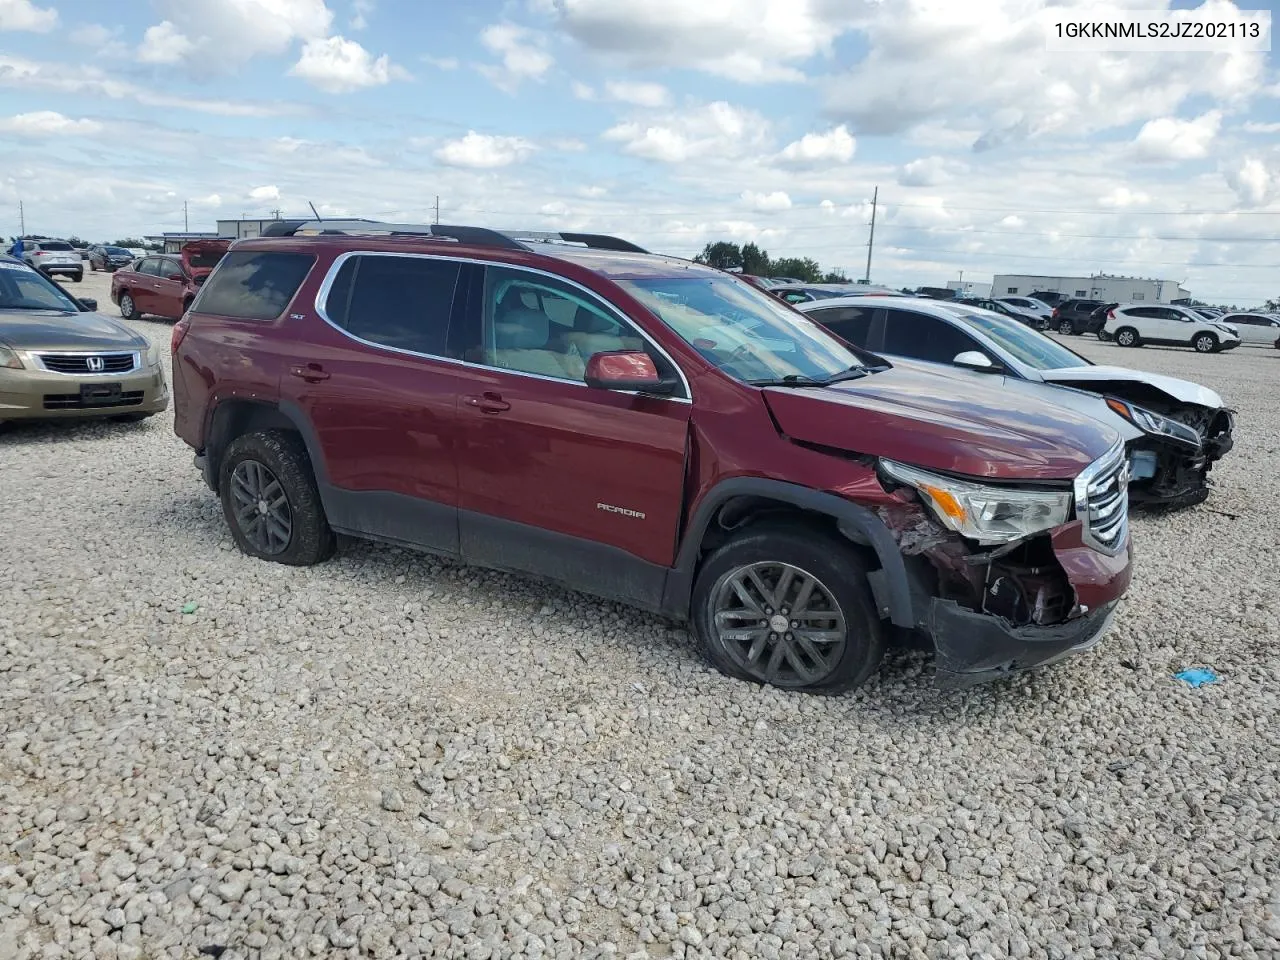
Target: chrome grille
1102	501
88	364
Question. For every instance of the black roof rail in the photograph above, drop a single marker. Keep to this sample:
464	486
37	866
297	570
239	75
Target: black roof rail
478	236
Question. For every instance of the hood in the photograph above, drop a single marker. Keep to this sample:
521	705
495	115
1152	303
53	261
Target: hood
39	330
1097	377
942	423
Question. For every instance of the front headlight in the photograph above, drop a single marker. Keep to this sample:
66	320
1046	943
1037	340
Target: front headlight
1150	422
153	355
984	513
9	358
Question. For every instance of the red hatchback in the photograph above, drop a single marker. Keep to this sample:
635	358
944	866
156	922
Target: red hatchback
649	430
163	285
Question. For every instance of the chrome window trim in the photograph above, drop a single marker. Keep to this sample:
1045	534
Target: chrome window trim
322	295
38	357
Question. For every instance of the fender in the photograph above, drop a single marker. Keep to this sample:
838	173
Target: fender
890	584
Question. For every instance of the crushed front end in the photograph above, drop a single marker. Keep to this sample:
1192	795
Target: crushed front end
1170	462
990	610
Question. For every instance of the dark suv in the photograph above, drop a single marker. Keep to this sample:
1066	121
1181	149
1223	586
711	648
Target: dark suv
1077	317
649	430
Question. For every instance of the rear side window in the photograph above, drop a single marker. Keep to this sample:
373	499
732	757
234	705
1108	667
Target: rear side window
924	338
149	266
253	285
400	302
850	324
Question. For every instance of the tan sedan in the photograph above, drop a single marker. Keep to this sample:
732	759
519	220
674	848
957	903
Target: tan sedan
59	358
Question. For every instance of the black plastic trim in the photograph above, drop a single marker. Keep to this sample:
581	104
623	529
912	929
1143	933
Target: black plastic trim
857	523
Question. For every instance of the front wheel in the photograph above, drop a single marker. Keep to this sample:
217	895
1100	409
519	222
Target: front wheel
77	277
1206	343
1065	328
1127	337
781	607
270	500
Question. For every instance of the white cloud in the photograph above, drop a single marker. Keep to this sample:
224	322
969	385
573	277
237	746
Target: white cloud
360	10
924	172
638	93
523	54
717	129
582	91
834	146
338	65
555	208
226	34
163	43
937	62
766	202
92	35
48	123
1253	181
1013	220
592	192
484	151
25	15
1124	197
1253	127
1168	138
442	63
266	194
751	41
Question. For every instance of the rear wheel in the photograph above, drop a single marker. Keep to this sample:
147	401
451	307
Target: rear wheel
129	308
1064	327
1128	337
77	277
791	609
1205	343
270	500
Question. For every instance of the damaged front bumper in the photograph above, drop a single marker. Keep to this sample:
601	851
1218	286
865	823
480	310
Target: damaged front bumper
1169	474
974	648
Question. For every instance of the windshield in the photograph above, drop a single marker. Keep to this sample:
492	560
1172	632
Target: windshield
1034	349
742	331
24	289
118	252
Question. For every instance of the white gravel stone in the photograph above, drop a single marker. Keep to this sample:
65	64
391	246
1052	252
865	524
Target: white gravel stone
572	780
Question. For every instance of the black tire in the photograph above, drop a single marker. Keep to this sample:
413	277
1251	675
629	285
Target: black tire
282	454
1065	327
93	267
1205	343
129	307
841	582
78	277
1128	337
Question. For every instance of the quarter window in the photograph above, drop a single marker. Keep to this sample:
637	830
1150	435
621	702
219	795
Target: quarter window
850	324
535	324
399	302
253	285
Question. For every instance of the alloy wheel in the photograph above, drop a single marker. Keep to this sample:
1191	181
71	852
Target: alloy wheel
126	305
1125	338
779	624
261	507
1064	327
1205	344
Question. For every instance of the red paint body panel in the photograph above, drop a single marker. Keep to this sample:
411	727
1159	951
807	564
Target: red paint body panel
156	296
1096	577
573	460
941	424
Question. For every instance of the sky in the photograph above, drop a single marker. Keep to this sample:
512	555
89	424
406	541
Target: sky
669	122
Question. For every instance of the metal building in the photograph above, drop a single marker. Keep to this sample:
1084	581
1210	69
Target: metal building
1100	286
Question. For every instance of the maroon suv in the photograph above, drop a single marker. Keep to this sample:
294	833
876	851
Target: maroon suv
649	430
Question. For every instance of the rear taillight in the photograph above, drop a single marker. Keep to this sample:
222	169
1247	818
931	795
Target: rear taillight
1056	312
179	331
41	253
1111	314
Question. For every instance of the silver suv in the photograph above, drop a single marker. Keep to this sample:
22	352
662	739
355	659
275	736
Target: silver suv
53	257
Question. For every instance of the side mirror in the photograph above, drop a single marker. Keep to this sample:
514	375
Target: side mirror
976	360
626	370
88	303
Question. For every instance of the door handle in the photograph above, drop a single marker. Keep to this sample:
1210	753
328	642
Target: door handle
488	402
311	372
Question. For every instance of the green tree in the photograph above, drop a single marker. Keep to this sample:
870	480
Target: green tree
835	276
722	255
755	261
802	268
131	242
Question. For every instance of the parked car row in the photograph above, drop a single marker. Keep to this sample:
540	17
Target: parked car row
663	434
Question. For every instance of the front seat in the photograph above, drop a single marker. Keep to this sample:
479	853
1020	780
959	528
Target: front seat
520	342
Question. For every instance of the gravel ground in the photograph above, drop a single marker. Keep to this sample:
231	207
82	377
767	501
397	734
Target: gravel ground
389	755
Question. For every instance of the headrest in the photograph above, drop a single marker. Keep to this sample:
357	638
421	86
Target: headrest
588	321
521	329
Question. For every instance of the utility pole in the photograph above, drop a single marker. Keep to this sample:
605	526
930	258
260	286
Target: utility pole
872	239
186	226
22	220
437	219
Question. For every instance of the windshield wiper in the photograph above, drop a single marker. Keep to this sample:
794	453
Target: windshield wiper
790	380
853	373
